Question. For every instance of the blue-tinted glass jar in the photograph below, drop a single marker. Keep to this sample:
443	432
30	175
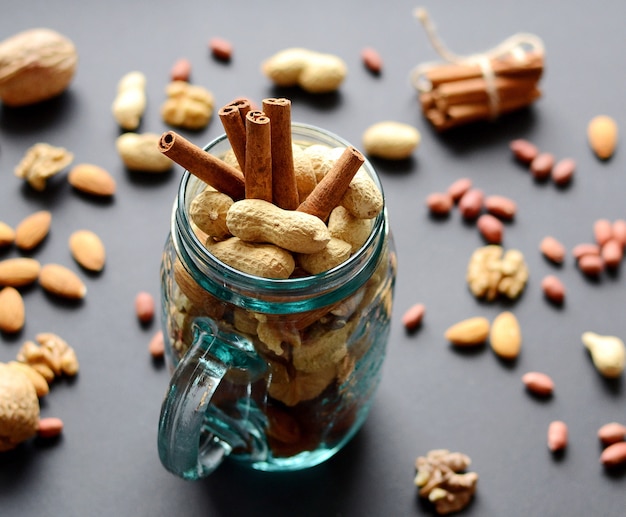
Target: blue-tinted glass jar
276	374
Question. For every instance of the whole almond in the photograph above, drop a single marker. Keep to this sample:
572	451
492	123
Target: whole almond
541	166
553	289
619	231
557	436
538	383
505	336
87	249
7	234
156	347
459	187
612	432
50	427
413	317
372	60
12	313
32	230
585	248
471	203
439	203
523	150
612	253
61	281
92	179
563	171
39	382
491	228
18	272
591	265
181	70
552	249
501	206
144	307
602	135
468	332
614	455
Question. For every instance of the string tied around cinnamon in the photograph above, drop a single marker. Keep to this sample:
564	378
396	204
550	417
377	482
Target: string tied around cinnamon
519	57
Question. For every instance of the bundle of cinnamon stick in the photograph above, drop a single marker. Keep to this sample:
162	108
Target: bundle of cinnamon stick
462	90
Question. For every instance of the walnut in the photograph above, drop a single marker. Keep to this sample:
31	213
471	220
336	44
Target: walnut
52	357
492	272
440	479
187	106
41	162
35	65
19	408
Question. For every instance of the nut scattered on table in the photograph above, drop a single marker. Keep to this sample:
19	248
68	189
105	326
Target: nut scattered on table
492	272
187	106
441	478
41	162
129	104
19	408
140	152
391	140
35	65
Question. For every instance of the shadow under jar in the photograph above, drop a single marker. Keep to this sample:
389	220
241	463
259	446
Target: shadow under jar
276	374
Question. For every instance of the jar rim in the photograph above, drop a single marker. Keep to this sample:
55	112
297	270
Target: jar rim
204	266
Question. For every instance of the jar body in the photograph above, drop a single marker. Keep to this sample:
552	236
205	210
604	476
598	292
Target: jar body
314	345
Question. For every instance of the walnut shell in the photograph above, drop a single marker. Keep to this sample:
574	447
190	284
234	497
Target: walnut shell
35	65
19	408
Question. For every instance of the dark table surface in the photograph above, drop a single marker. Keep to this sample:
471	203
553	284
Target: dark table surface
431	396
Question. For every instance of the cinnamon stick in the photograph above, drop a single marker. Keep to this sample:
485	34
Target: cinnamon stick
284	186
531	68
235	129
328	192
258	172
203	165
476	90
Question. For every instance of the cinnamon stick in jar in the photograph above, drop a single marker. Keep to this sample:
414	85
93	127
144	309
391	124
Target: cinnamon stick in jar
258	171
203	165
284	185
235	129
328	192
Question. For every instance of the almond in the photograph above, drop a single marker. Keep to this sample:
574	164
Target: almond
11	310
32	230
7	234
602	136
612	432
92	179
505	336
87	249
17	272
472	331
61	281
538	383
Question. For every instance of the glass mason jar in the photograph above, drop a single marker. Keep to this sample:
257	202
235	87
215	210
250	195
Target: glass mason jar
277	374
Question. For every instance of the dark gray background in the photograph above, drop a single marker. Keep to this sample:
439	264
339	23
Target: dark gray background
431	396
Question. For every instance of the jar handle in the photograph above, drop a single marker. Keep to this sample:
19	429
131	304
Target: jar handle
194	436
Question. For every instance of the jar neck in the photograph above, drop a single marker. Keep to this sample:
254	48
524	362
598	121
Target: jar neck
272	296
